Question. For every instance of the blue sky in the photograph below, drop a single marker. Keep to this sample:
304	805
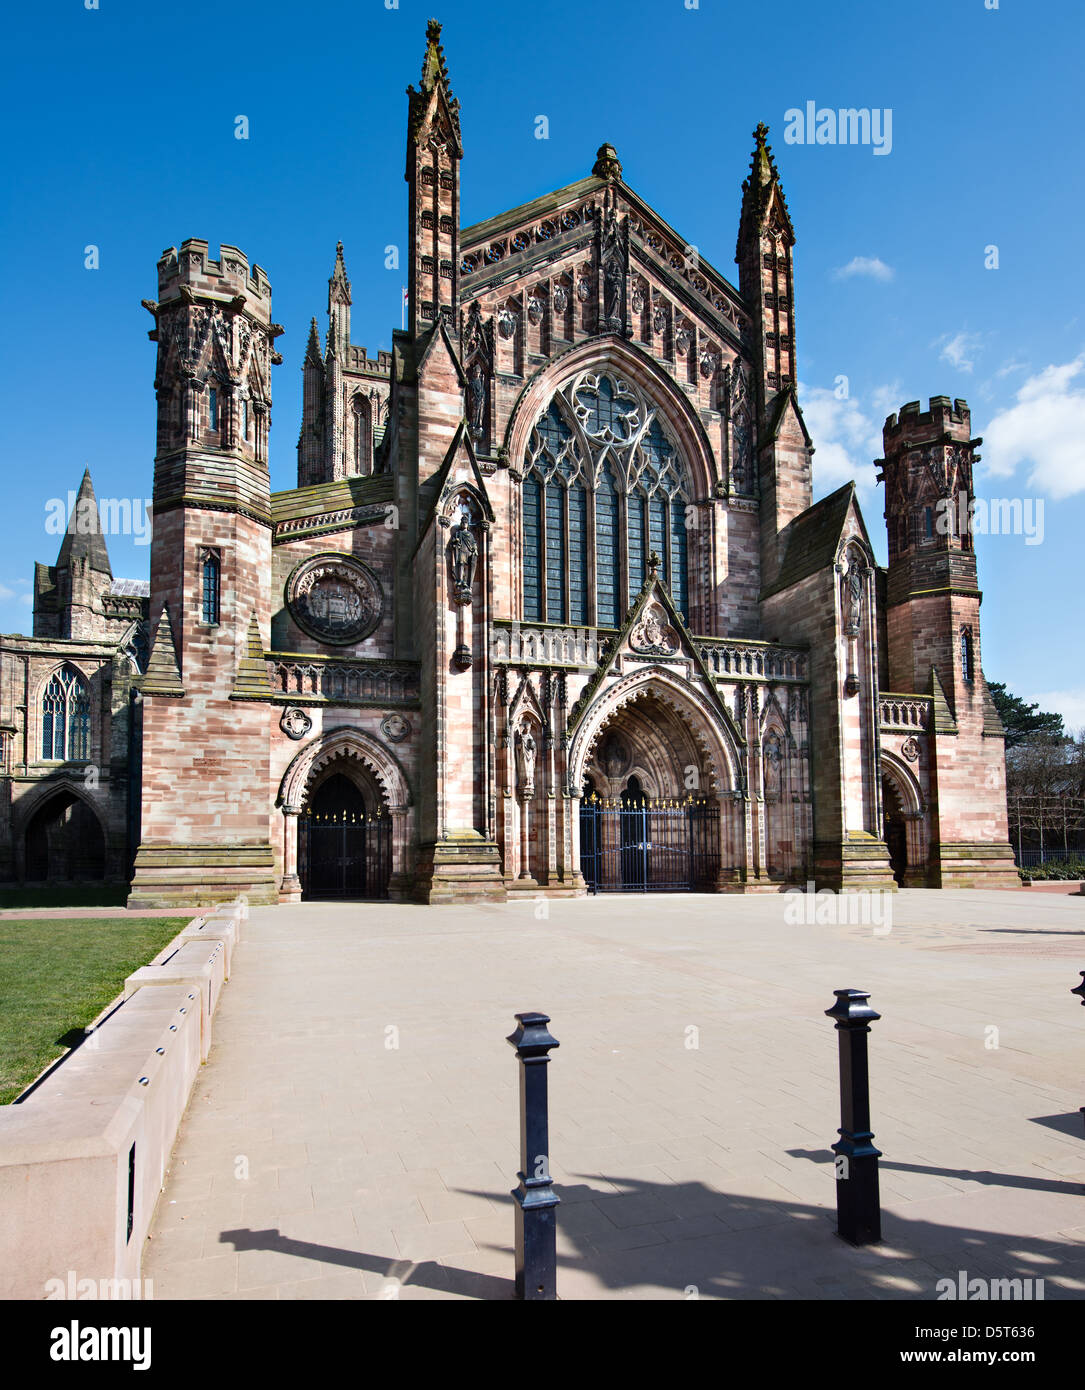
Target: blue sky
121	124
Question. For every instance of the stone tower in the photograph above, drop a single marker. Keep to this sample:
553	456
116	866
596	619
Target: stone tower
68	595
933	635
445	600
205	818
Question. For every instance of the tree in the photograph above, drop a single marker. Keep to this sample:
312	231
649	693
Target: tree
1021	720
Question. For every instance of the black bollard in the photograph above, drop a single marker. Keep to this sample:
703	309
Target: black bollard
536	1225
1080	989
858	1205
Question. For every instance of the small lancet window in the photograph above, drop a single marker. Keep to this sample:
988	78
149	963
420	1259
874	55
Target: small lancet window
211	576
968	670
213	409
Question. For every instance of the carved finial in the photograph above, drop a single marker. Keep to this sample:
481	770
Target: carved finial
761	133
433	31
653	562
607	164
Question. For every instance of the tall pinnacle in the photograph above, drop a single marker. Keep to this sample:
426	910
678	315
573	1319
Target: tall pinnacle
338	284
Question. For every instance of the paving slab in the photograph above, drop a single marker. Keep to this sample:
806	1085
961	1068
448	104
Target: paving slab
354	1132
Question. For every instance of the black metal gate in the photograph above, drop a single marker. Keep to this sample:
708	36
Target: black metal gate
642	846
344	854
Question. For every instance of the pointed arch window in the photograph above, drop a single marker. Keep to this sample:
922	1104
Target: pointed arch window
65	723
604	487
211	582
213	409
363	435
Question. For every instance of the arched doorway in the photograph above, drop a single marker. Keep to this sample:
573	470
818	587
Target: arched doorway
896	829
344	836
650	813
64	842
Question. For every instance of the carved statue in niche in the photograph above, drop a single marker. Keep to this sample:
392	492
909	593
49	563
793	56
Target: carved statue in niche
613	267
612	289
525	761
476	399
853	581
463	554
772	766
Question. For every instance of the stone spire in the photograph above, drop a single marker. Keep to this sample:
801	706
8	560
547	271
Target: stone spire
83	547
434	151
758	192
339	302
312	350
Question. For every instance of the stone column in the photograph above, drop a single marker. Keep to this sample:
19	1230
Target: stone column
290	885
401	878
525	869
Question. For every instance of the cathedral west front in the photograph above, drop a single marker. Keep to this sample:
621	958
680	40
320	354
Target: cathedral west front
550	610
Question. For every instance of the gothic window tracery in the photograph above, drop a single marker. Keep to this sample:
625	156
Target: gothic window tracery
604	486
65	724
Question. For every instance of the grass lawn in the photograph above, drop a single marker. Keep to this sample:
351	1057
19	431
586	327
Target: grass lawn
56	975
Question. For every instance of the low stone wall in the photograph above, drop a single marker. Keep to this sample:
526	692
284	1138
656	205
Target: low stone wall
83	1155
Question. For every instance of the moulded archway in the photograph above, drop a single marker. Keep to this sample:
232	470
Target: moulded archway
63	840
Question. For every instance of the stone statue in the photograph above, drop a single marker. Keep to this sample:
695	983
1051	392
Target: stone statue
476	400
854	580
612	289
525	761
463	550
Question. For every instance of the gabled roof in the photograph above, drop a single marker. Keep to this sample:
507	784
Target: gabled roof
812	539
479	233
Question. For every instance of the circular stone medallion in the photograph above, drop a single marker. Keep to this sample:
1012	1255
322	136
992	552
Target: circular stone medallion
334	598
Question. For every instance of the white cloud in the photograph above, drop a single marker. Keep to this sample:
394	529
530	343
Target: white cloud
960	349
1069	703
1045	429
870	267
846	436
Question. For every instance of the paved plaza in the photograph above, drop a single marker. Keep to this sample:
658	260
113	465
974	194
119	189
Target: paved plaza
354	1133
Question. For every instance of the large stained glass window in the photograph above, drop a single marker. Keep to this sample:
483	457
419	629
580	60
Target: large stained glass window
604	486
65	722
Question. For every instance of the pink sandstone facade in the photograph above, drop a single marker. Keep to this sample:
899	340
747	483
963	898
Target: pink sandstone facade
551	602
